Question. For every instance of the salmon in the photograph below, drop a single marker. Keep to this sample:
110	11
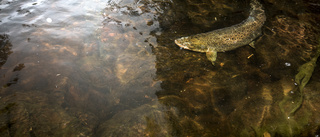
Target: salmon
229	38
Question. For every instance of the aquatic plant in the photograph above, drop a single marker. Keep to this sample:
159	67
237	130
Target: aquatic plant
301	78
290	120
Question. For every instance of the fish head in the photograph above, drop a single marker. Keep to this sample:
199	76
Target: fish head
191	43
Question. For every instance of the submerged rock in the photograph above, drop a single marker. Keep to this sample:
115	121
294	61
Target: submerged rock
146	120
37	114
286	43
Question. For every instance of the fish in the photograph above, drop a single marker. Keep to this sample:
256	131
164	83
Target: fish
229	38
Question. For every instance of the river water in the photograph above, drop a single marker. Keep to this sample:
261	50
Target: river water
111	68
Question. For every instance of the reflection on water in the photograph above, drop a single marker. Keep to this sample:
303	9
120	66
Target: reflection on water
111	68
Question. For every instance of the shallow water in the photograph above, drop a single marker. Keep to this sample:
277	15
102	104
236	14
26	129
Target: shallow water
111	68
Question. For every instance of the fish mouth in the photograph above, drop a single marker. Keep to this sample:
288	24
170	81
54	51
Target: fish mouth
179	44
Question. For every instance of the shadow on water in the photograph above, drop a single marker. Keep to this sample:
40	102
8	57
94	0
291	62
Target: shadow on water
5	48
114	70
250	92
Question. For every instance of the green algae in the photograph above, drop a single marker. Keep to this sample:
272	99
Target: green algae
302	78
289	124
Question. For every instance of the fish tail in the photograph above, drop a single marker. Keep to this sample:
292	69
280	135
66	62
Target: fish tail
257	11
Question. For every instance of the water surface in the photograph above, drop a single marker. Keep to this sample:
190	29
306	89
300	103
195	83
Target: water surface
111	68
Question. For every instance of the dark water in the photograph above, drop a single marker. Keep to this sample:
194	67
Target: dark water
111	68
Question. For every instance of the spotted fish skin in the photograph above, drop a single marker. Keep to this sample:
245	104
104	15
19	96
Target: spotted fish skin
228	38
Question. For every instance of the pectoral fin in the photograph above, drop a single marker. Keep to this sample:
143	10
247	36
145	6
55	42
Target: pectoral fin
212	55
251	44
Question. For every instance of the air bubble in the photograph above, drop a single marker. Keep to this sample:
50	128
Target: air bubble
287	64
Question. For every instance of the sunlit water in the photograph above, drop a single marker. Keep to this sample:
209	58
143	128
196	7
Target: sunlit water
111	68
